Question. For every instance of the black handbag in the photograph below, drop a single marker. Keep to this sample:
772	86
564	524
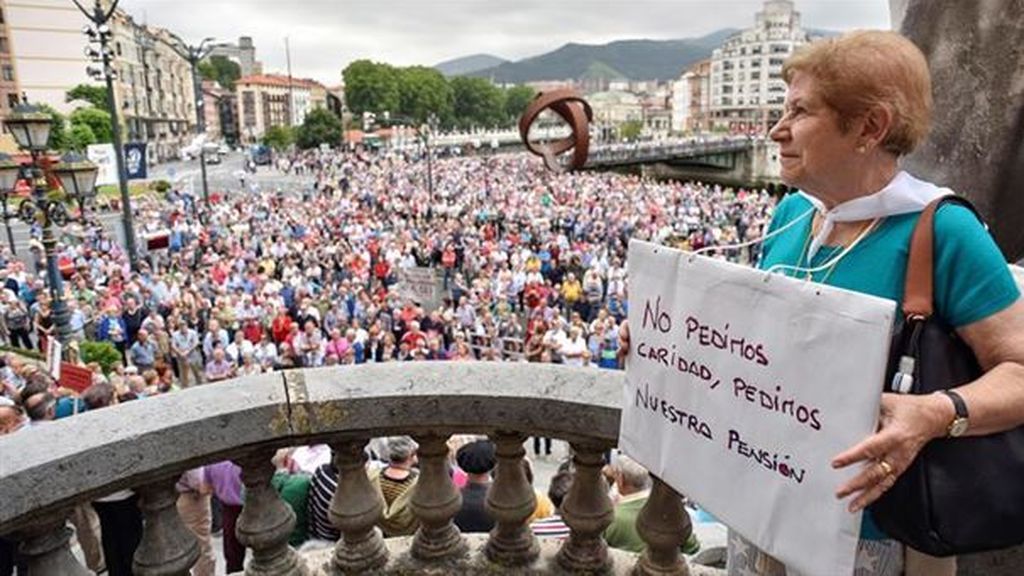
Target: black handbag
960	495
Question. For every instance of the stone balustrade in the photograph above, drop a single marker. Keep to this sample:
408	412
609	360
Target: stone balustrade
146	445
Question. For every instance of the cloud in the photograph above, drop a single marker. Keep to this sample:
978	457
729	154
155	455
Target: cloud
325	35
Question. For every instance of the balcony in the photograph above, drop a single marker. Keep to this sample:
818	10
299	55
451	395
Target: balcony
146	446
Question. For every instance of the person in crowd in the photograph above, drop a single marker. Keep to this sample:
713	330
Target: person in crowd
554	526
477	459
633	487
194	507
225	480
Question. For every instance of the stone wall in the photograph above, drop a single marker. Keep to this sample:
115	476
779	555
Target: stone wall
976	146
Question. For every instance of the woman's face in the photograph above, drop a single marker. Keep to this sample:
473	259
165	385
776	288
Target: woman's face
814	152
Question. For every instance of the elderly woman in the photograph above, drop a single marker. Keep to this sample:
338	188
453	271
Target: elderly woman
856	104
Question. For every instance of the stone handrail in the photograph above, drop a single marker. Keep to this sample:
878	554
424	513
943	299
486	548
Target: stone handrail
96	453
146	445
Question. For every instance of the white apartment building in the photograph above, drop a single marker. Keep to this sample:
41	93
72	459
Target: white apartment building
46	46
691	98
154	92
268	100
747	90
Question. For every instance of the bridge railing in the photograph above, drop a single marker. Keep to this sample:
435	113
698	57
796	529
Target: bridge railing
146	445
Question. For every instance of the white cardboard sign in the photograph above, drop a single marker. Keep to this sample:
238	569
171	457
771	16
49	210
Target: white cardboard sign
740	389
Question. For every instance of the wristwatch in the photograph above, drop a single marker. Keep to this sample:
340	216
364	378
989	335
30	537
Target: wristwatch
960	422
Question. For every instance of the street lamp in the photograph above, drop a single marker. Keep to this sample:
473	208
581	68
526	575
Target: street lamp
99	33
194	54
78	178
10	172
426	132
31	129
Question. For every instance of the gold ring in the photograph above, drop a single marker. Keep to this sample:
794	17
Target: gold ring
886	467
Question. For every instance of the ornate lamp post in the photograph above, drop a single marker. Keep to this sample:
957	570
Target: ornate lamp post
10	172
195	54
31	129
99	33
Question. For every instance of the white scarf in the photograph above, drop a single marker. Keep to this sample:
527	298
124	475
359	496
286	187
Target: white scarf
904	194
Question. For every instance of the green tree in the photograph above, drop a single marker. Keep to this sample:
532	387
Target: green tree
371	87
80	136
477	102
278	137
97	120
320	126
222	69
424	91
631	129
517	98
94	95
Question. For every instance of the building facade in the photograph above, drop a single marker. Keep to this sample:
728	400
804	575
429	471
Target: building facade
9	88
154	92
244	53
43	52
269	100
747	90
691	99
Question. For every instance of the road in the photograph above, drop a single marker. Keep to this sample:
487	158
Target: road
186	176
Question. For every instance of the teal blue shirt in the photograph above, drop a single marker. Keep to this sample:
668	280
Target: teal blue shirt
971	281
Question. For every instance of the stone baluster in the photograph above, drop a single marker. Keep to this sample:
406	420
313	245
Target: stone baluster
587	510
664	526
435	502
167	547
46	550
266	521
356	508
511	501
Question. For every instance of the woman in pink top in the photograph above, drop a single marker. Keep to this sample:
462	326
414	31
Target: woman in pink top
338	345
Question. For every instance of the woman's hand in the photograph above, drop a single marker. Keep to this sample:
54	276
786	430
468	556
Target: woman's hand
905	425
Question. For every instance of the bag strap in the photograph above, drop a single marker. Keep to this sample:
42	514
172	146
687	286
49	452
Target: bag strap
576	112
918	290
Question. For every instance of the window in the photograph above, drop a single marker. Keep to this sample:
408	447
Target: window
118	45
8	73
12	100
4	48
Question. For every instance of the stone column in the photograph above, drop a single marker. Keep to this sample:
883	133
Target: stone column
664	526
266	521
511	502
168	547
435	502
46	550
587	510
356	508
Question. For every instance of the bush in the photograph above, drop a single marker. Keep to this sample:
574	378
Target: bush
103	353
160	186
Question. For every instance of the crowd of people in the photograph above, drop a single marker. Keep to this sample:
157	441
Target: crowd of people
530	266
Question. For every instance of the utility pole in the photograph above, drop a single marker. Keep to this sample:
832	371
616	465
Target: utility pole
101	34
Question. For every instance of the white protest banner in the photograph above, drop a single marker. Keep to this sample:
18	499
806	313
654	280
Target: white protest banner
421	285
102	155
740	389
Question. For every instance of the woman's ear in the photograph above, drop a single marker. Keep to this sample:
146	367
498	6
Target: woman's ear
875	126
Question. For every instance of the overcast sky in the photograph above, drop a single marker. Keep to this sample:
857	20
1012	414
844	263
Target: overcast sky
326	35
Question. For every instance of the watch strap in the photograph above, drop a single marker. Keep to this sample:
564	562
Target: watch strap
958	403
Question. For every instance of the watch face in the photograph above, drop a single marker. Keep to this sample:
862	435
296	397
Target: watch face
958	427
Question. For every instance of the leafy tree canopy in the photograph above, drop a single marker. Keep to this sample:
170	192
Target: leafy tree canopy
319	127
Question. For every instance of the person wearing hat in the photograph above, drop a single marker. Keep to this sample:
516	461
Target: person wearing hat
477	460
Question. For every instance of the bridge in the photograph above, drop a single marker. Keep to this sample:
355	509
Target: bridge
733	160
